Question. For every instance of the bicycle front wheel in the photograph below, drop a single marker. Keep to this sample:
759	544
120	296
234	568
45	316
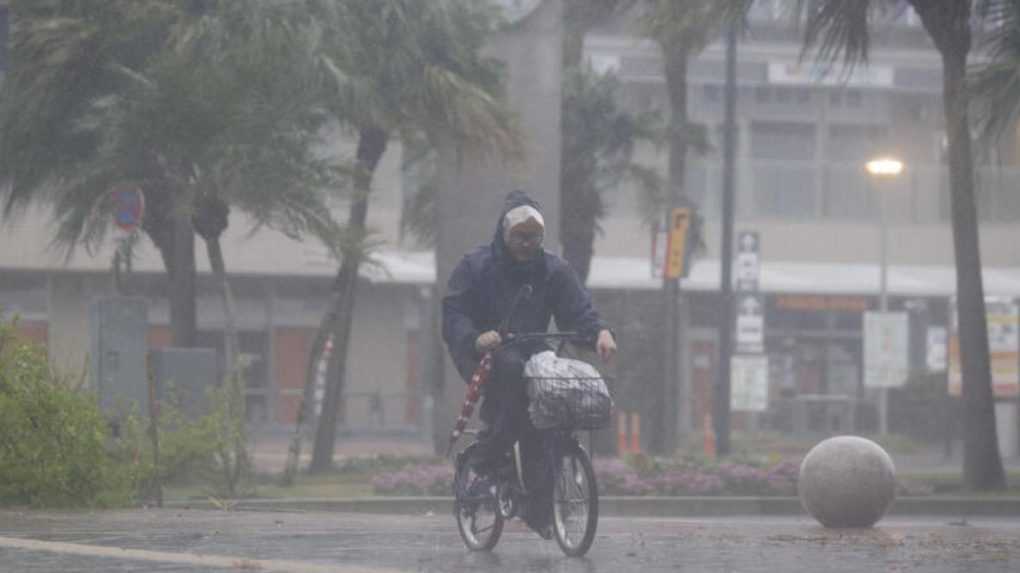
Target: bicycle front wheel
575	502
475	507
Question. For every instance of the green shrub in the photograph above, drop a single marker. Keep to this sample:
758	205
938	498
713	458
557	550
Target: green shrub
209	451
53	439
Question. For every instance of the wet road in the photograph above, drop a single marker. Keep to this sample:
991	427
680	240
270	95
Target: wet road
184	540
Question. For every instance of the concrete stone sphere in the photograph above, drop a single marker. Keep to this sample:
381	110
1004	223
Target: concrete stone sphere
847	481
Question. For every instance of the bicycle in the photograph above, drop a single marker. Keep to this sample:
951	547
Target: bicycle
482	504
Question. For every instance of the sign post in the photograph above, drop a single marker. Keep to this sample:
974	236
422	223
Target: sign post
128	212
749	366
674	400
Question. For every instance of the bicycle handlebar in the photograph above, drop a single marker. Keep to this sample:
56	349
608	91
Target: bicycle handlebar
512	338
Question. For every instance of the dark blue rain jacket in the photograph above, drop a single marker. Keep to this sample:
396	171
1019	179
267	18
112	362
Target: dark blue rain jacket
483	285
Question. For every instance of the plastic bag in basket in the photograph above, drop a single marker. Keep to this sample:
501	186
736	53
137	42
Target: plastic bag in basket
566	393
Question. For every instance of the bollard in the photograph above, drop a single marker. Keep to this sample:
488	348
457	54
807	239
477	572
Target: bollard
635	433
709	437
621	433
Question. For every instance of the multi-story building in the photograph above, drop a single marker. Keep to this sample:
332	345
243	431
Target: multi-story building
803	137
802	141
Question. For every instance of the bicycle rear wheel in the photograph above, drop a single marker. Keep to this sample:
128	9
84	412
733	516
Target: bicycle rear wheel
475	507
575	502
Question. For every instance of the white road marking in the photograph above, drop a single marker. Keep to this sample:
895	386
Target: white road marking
226	562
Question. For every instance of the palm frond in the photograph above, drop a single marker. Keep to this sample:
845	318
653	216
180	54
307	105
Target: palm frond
837	29
994	85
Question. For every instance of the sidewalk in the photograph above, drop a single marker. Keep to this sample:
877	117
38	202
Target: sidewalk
959	508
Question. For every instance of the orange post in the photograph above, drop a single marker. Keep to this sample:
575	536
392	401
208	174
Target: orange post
635	432
621	433
709	437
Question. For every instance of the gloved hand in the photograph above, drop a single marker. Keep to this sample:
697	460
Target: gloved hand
487	341
605	345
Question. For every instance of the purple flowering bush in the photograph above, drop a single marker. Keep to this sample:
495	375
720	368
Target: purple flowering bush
691	477
640	475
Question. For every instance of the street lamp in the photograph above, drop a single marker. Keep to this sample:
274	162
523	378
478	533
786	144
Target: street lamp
884	168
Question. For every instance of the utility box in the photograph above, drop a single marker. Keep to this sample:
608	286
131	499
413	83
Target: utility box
117	342
184	377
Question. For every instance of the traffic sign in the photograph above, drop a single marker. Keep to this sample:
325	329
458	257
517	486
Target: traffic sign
750	323
747	261
128	206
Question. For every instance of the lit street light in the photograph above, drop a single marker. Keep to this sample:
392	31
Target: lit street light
884	168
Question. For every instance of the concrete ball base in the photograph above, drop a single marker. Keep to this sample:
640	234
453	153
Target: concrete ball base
847	481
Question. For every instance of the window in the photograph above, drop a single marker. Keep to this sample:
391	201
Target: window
782	140
713	93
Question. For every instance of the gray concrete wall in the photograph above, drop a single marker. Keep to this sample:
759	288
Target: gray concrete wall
473	187
69	296
377	363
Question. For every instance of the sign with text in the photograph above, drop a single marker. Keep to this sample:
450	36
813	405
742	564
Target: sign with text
936	349
749	390
886	349
747	261
750	323
676	246
812	303
1002	315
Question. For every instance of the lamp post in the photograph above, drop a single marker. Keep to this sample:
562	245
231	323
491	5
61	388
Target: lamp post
883	168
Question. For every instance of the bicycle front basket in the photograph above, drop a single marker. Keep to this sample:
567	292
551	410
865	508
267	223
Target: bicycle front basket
566	394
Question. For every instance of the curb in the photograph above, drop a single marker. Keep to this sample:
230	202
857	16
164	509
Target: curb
628	506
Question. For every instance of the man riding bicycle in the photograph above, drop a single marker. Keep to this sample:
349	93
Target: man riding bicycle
480	293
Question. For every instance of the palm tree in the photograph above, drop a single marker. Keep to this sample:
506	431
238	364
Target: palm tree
682	30
202	106
66	59
397	66
598	137
840	29
598	147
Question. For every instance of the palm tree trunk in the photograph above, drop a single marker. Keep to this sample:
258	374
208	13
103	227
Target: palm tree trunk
575	27
982	464
183	322
371	146
231	345
948	24
305	411
577	224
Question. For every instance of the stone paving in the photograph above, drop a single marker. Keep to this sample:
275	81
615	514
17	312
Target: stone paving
189	540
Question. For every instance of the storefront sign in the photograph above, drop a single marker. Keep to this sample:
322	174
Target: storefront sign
886	349
808	302
1003	347
936	349
749	390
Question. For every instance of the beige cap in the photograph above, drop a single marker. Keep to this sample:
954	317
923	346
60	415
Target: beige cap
522	214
